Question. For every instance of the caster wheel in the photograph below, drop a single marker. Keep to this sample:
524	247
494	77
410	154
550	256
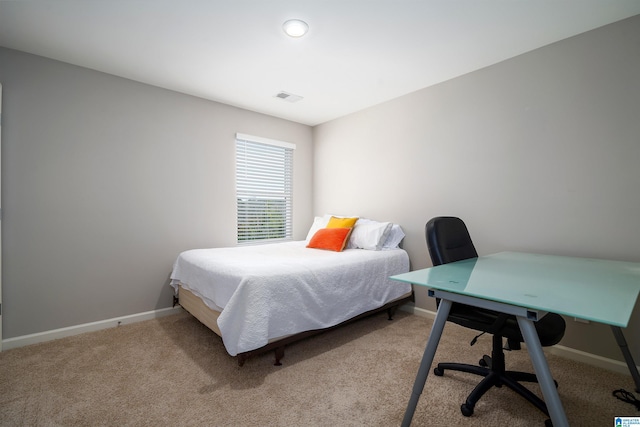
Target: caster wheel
548	423
482	362
437	371
466	410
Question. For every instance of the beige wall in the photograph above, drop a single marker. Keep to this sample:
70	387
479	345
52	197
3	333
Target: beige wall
105	181
539	153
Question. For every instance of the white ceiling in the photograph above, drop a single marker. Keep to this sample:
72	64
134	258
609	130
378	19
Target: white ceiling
357	53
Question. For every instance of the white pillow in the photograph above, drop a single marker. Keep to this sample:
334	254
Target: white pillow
394	238
368	234
318	223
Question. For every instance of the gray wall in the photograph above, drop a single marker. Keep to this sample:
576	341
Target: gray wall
105	181
539	153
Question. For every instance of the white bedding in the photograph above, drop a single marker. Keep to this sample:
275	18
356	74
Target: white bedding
275	290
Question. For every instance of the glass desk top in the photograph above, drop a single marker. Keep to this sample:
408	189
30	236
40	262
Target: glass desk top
597	290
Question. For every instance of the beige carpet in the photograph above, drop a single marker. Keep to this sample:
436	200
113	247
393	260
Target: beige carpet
174	372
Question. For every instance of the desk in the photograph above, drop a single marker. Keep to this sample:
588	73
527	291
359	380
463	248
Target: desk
529	286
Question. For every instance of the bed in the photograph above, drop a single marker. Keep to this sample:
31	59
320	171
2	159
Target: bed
259	298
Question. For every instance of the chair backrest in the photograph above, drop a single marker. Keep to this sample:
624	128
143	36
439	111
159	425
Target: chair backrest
448	240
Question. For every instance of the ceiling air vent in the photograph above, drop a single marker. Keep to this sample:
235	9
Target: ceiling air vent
289	97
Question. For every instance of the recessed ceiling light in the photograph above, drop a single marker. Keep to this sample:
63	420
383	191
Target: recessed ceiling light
295	28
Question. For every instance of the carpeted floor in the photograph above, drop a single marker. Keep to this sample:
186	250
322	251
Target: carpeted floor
173	371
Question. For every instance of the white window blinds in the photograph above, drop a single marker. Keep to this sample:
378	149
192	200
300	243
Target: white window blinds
264	188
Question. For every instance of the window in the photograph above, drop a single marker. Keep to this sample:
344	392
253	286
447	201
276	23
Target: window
264	191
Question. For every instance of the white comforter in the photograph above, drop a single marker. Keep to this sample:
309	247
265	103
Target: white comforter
275	290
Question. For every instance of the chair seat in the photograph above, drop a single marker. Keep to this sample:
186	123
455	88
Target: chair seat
550	328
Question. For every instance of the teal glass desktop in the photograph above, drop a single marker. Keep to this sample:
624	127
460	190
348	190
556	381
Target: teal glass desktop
528	286
592	289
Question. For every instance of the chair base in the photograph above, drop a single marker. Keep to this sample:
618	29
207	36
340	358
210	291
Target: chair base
495	375
491	379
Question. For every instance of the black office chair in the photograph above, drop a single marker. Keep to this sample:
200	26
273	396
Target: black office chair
448	241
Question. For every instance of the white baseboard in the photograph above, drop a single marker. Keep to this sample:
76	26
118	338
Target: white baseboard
9	343
558	350
21	341
410	308
590	359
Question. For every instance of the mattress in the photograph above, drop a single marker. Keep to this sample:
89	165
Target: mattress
265	292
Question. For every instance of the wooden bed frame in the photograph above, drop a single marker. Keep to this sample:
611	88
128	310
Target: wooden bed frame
209	317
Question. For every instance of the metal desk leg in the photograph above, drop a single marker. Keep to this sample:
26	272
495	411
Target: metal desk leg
427	358
622	343
551	397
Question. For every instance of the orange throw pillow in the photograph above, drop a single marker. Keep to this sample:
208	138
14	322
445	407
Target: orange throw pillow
331	239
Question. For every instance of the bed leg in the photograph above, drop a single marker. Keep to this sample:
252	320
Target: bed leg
391	311
241	359
279	353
